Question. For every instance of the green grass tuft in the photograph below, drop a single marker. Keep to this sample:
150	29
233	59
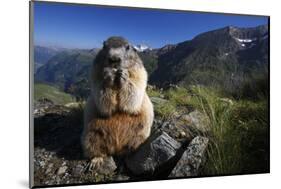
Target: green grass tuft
174	99
178	96
238	133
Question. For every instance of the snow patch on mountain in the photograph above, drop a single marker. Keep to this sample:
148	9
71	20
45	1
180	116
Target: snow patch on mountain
246	40
142	47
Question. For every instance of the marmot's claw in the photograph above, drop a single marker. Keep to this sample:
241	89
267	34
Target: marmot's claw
94	164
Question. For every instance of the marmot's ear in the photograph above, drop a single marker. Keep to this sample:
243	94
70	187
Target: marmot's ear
128	46
104	43
134	48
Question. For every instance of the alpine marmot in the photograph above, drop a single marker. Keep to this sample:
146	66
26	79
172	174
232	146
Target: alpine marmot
118	113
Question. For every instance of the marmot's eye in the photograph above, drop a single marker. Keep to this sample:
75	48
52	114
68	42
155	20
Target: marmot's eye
127	47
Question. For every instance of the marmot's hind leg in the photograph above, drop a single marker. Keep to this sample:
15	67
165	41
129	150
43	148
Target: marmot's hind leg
135	142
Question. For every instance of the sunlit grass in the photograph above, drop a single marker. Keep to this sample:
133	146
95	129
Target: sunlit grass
238	133
52	93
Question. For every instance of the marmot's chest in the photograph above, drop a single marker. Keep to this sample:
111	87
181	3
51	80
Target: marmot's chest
118	130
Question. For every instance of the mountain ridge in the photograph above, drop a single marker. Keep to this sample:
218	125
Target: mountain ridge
210	51
230	49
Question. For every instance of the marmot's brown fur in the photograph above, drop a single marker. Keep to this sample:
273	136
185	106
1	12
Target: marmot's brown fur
118	114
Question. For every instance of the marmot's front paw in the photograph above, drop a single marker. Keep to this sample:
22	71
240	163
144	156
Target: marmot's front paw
109	76
122	76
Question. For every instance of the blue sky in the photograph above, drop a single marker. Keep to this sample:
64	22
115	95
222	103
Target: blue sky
80	26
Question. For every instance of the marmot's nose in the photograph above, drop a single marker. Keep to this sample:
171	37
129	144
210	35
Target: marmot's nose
114	59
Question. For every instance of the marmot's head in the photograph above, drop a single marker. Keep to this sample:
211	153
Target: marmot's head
118	53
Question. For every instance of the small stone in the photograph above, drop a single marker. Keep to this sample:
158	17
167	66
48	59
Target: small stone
62	170
121	178
48	170
78	170
167	125
158	101
42	164
182	134
50	165
58	180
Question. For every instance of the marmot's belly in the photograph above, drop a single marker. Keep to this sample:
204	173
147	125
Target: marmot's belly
120	132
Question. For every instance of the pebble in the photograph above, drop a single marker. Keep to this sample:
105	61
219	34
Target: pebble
62	170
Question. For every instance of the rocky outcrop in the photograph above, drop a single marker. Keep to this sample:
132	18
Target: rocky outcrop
197	120
43	107
170	151
191	159
158	150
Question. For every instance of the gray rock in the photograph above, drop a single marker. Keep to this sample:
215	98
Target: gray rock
197	120
227	100
49	169
107	167
176	128
41	110
158	100
58	180
121	178
167	125
78	170
72	105
62	170
42	163
156	151
191	159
